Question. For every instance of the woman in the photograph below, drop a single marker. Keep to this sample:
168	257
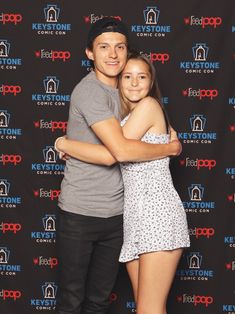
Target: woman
155	227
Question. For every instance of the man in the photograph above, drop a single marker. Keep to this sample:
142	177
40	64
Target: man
91	201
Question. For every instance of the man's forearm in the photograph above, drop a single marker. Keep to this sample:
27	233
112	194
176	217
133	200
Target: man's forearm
134	150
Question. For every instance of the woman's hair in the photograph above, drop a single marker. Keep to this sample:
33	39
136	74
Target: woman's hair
154	90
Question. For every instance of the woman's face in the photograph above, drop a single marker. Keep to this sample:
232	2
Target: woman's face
135	82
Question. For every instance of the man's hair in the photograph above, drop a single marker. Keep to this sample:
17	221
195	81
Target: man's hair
105	25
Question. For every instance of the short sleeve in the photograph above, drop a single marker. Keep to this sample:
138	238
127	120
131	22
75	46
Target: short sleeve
92	102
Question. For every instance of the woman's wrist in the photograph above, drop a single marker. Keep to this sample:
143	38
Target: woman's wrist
59	144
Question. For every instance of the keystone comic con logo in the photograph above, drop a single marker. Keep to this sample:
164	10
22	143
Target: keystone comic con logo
196	204
151	28
229	241
7	133
10	18
200	63
194	271
49	234
51	25
197	134
49	290
6	200
51	95
7	63
204	22
50	165
7	269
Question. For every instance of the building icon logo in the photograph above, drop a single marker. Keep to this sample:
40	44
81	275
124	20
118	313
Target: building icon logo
194	260
4	48
4	187
4	119
151	15
196	192
51	13
49	222
49	154
51	84
200	52
197	123
49	290
4	255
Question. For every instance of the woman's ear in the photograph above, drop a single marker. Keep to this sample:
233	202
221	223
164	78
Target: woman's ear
89	54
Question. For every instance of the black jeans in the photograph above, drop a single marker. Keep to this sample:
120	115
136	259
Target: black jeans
88	249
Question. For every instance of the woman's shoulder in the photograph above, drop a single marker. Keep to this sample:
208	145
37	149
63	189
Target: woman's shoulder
148	104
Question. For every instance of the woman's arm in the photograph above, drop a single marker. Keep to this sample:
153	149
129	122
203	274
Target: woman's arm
141	119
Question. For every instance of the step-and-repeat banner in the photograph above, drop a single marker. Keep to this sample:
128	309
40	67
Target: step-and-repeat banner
41	59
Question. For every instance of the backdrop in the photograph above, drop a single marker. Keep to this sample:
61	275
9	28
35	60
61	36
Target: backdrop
42	58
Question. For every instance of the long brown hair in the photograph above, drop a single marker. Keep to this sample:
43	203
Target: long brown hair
153	92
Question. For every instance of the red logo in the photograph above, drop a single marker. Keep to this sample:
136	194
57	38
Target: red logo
52	194
205	300
64	55
60	125
12	294
112	297
13	227
160	57
232	128
11	89
206	163
12	159
42	261
211	21
210	93
205	232
11	18
231	197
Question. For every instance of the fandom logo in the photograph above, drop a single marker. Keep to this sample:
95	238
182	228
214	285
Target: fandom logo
10	294
52	125
10	89
203	21
10	227
51	194
202	232
14	18
198	163
201	93
43	261
196	299
10	159
53	55
93	18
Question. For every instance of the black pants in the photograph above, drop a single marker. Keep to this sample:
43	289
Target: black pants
88	249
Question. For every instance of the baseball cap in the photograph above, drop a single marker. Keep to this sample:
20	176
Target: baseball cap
105	25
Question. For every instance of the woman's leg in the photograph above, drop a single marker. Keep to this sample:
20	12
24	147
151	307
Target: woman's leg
156	273
133	272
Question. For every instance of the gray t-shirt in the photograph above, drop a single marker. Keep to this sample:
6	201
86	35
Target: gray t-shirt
87	189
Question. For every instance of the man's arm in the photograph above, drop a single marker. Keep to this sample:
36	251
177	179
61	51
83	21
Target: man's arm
110	133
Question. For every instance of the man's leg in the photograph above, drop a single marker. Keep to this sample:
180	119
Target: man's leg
74	248
104	267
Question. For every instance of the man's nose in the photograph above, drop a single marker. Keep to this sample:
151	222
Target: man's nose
112	52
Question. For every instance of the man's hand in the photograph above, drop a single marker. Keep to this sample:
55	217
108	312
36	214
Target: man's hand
177	147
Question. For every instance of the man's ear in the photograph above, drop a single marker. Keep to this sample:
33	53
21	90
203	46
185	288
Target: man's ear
89	54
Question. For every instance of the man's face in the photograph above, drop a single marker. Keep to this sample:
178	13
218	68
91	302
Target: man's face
109	55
